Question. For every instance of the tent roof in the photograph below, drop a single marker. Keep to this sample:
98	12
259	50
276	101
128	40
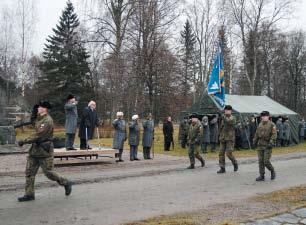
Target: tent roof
257	104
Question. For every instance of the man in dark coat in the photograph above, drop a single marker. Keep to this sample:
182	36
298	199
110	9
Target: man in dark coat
280	132
134	134
252	129
302	130
148	136
214	133
168	133
89	122
206	134
183	132
71	123
286	132
120	135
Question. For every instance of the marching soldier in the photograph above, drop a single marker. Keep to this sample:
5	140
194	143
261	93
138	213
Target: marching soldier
41	153
227	139
265	137
194	140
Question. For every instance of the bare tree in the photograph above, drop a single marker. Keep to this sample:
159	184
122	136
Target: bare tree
25	19
249	16
202	16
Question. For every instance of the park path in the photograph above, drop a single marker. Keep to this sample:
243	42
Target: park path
148	194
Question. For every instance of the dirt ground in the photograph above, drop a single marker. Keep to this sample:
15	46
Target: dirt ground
114	193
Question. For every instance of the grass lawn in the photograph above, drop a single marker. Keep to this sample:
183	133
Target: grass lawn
177	151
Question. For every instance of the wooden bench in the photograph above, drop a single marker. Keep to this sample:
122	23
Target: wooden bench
84	154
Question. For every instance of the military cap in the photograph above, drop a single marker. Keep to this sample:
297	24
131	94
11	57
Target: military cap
45	104
228	107
70	96
194	115
264	113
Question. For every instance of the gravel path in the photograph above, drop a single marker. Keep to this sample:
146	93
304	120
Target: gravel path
159	190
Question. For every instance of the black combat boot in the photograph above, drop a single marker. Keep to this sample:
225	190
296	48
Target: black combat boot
222	170
68	188
261	178
202	162
273	175
191	166
26	198
236	167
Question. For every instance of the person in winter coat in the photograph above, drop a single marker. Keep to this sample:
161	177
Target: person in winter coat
71	123
120	135
280	132
134	134
206	134
302	130
286	132
148	136
214	133
168	133
89	121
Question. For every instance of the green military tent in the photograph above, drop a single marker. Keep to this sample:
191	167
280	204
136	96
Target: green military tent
246	106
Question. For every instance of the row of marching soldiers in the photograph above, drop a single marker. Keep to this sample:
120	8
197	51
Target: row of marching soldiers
264	140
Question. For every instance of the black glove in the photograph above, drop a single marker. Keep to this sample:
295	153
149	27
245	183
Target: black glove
20	143
197	141
270	146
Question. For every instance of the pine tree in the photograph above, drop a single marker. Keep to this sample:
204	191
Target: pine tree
188	40
65	67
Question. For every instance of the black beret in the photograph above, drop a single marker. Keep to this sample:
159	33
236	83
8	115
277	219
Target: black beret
264	113
45	104
70	96
228	107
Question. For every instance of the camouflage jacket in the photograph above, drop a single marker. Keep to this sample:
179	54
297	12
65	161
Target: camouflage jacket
195	133
266	133
43	131
227	128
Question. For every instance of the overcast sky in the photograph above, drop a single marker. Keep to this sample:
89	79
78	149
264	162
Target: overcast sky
48	12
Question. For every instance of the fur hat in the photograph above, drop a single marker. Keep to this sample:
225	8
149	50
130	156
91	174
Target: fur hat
70	96
135	117
119	114
44	104
228	107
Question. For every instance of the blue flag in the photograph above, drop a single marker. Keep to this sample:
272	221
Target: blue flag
216	84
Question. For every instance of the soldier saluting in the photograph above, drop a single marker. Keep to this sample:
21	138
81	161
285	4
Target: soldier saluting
265	137
195	133
227	139
41	153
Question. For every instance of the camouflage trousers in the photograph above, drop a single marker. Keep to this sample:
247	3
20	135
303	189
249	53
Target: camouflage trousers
264	156
226	147
194	152
46	164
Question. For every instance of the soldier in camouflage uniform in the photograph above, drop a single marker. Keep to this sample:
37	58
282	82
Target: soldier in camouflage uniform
265	138
194	140
41	153
227	139
183	132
